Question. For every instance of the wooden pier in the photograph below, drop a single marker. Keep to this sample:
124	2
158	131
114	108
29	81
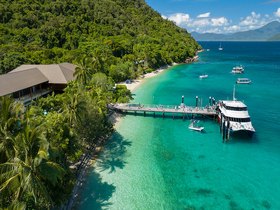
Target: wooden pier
183	109
211	111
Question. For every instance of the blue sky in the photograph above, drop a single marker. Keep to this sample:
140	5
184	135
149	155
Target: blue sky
218	16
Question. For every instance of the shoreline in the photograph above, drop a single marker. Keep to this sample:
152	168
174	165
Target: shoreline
116	117
113	118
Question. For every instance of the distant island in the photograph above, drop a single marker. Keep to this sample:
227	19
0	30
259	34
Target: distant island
269	32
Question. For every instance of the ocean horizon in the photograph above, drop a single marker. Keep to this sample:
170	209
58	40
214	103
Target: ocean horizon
156	163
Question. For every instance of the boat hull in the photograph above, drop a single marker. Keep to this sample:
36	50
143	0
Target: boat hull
242	128
196	128
248	83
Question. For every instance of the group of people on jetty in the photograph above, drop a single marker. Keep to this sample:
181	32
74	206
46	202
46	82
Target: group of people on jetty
176	107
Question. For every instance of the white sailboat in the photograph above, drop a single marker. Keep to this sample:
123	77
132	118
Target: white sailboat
220	48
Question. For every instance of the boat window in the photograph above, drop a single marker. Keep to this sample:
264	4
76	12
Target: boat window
235	108
240	119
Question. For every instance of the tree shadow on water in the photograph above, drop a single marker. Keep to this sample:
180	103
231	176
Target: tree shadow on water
112	155
95	193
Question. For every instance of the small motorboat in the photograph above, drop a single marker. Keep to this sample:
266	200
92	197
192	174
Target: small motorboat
243	81
203	76
193	127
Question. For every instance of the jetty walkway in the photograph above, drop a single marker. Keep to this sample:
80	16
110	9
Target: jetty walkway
183	109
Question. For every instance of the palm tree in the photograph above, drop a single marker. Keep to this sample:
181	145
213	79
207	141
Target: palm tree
96	60
83	71
28	170
100	60
75	105
16	206
9	115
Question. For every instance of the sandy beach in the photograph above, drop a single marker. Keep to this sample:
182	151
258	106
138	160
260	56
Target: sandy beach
135	83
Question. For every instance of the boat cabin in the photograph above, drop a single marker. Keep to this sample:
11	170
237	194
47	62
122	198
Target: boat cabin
243	81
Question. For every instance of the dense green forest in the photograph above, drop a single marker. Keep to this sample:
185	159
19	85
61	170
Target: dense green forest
113	34
110	41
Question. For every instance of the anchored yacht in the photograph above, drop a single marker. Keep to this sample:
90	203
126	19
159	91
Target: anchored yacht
237	70
236	114
203	76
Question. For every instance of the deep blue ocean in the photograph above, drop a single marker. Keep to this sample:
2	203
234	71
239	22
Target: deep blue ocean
156	163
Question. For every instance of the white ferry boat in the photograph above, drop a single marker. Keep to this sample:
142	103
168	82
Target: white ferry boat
243	81
236	113
237	70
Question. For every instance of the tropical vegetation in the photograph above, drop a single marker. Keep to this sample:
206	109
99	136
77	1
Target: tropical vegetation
38	142
109	41
121	38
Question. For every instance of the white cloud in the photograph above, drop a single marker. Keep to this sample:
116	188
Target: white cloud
205	15
255	15
180	18
251	20
204	23
163	16
219	21
215	30
200	23
277	14
232	29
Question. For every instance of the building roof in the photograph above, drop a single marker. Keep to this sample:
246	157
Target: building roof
56	73
13	82
26	76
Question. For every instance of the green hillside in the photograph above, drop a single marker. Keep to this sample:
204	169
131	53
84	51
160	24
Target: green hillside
108	31
274	38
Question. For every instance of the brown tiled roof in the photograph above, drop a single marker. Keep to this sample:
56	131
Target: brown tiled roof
56	73
29	75
13	82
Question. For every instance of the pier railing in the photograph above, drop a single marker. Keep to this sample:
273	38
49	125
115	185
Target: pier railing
164	108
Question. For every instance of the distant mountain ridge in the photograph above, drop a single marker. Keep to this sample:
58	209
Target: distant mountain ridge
274	38
261	34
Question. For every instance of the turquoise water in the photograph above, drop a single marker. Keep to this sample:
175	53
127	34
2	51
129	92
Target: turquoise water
155	163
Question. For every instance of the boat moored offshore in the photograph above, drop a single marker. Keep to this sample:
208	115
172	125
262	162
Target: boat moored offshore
203	76
243	81
237	70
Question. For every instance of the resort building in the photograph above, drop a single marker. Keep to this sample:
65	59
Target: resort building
29	81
